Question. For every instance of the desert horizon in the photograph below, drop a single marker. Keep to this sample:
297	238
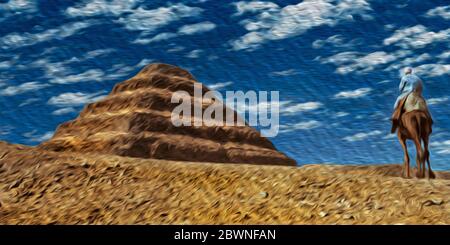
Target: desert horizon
42	187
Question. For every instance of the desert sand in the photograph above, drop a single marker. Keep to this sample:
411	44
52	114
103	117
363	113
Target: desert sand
43	187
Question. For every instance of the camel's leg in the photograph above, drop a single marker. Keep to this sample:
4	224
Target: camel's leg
426	157
419	158
406	156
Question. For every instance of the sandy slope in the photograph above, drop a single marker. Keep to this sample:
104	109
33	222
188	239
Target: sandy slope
71	188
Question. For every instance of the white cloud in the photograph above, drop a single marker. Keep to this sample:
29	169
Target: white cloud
243	7
337	41
196	28
5	64
17	40
137	18
384	81
289	72
444	55
409	62
145	62
340	58
22	88
160	37
194	54
74	99
435	101
63	111
389	27
218	86
301	107
253	109
61	72
432	70
33	137
176	49
442	11
250	40
45	136
101	7
52	69
98	52
367	63
416	37
341	114
348	62
442	147
362	136
89	75
212	57
28	101
184	30
294	20
119	71
358	93
390	136
17	7
300	126
400	6
88	55
150	20
5	130
284	107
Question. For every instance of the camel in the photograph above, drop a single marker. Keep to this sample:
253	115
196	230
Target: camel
415	124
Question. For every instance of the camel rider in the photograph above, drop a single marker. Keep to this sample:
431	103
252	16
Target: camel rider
409	85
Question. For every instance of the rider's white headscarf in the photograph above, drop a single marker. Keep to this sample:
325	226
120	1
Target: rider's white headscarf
408	70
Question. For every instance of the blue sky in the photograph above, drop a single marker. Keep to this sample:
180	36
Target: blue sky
335	63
